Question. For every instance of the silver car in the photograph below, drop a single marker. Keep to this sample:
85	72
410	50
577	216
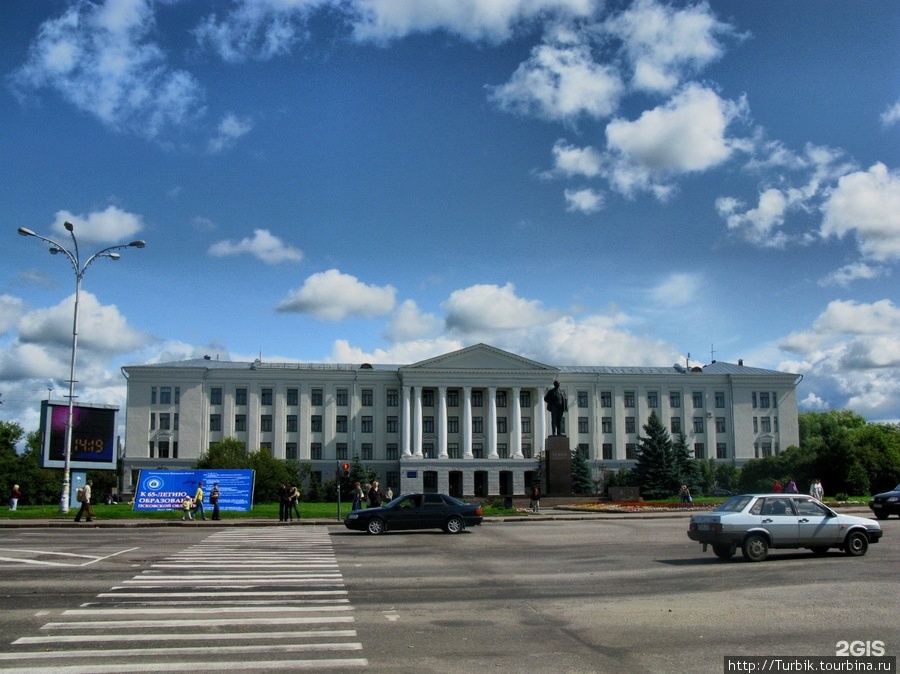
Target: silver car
758	522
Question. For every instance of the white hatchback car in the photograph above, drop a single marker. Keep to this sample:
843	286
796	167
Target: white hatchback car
758	522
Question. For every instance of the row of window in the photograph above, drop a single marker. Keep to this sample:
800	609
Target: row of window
761	399
392	425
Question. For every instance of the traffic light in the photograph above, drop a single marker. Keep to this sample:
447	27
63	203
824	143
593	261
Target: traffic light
345	469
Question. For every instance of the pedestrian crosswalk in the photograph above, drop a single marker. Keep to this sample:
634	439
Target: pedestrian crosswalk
242	600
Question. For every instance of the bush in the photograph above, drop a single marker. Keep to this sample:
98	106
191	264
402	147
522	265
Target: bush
842	497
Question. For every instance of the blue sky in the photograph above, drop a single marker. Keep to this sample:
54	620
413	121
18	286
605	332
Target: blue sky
386	180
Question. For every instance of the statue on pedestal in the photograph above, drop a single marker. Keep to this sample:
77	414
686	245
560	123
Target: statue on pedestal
557	405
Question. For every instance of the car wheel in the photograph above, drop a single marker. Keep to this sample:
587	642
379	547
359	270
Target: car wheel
882	516
756	548
724	551
819	550
856	544
375	526
454	525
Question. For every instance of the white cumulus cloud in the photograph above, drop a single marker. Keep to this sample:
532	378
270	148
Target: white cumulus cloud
334	296
263	245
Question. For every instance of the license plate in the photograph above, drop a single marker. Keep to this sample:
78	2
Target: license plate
876	505
702	527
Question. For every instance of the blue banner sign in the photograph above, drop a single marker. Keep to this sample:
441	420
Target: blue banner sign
166	489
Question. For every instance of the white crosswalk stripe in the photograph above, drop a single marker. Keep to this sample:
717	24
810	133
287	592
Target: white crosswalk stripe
243	600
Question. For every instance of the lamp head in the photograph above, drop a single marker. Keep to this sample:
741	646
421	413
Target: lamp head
137	244
113	256
68	225
24	231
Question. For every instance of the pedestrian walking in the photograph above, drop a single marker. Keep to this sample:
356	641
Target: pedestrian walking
358	496
187	504
214	500
198	501
375	495
294	495
85	510
535	499
14	497
816	490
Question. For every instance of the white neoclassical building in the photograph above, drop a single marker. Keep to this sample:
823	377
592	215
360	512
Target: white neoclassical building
471	423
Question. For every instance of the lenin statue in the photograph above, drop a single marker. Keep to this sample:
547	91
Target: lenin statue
556	405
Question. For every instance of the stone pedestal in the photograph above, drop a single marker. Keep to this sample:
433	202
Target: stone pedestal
557	466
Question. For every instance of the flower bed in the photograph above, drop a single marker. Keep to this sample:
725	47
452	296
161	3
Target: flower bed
638	506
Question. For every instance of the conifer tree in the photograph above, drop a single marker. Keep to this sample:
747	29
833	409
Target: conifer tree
655	466
582	482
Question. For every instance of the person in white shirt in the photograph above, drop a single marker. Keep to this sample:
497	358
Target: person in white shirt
816	490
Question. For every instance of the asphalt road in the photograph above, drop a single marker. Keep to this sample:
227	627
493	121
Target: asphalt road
560	596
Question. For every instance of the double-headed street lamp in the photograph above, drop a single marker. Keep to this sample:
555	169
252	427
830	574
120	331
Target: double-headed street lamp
80	269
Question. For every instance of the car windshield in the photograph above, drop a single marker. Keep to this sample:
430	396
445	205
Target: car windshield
735	504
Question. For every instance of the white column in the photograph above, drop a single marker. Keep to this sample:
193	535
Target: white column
417	423
467	422
406	429
442	422
517	424
492	423
541	419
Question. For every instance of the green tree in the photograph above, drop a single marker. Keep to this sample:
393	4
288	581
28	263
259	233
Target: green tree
828	435
270	473
877	450
228	453
582	480
655	465
858	481
687	468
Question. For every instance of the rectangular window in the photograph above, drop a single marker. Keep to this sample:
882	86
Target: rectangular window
629	398
477	450
265	423
766	424
152	421
698	424
502	450
393	397
266	447
165	421
291	423
652	399
315	397
524	399
698	399
607	451
391	479
293	396
341	397
163	447
605	398
674	399
501	424
582	397
428	398
315	451
215	423
675	424
452	398
753	401
526	425
477	398
392	452
367	425
774	399
240	396
240	423
428	450
265	396
699	450
290	451
340	424
527	452
453	424
368	397
630	426
630	451
756	424
501	398
763	400
606	424
775	423
177	394
392	425
720	399
721	450
583	425
175	421
215	396
315	423
453	450
720	424
153	395
367	451
341	450
428	424
478	425
165	395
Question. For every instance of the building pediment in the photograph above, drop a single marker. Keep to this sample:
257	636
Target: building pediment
479	360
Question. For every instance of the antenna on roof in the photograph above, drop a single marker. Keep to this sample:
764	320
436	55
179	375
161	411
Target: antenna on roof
687	361
712	353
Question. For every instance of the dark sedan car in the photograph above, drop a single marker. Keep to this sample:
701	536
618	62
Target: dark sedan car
886	504
416	511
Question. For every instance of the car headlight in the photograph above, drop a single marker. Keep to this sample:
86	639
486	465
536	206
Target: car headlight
891	499
352	516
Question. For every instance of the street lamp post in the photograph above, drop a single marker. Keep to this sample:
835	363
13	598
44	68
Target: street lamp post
80	269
